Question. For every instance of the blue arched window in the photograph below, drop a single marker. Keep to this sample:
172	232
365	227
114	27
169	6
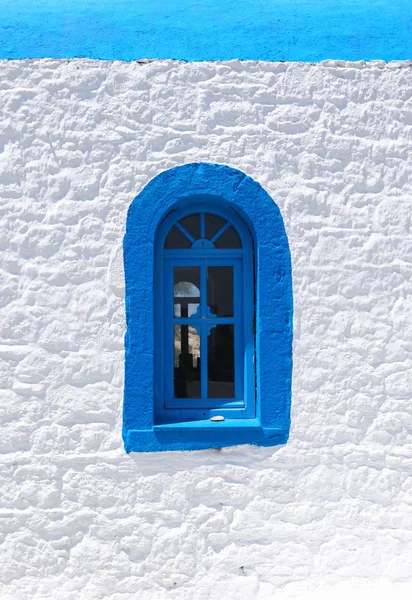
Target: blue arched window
208	360
204	315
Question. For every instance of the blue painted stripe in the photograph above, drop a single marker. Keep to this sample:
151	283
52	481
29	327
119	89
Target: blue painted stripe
299	30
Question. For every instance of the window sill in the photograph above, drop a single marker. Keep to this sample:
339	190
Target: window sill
201	435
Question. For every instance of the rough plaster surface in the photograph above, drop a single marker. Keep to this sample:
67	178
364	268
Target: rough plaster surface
331	510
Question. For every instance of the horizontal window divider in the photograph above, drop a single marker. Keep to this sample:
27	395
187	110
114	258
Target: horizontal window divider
207	320
199	403
208	424
212	253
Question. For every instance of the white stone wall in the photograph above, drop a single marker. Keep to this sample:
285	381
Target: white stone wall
331	143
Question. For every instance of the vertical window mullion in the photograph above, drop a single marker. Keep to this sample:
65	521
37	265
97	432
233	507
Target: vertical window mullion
203	361
215	323
169	332
203	289
247	283
238	332
203	328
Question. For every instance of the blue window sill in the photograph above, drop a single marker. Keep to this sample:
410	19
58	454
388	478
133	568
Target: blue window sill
200	435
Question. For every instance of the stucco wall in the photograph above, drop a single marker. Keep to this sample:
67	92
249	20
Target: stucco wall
331	144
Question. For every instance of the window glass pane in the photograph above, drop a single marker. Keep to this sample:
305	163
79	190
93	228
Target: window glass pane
186	291
212	225
192	225
186	362
228	239
176	239
221	367
220	291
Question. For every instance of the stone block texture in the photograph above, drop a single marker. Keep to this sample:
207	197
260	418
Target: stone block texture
331	143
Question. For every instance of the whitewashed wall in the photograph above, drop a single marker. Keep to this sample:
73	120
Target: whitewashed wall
331	143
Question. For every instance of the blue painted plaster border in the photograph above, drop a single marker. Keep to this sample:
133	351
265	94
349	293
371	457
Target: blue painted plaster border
273	30
274	310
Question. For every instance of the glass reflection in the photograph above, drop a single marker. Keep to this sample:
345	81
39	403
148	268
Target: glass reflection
192	225
186	291
213	224
176	239
220	291
186	362
221	365
228	239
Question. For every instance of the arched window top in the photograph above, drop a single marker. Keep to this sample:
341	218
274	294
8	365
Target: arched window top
202	230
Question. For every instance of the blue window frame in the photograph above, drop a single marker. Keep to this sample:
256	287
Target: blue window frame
191	353
204	315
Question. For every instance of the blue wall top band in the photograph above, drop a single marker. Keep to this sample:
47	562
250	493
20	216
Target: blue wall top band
274	30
